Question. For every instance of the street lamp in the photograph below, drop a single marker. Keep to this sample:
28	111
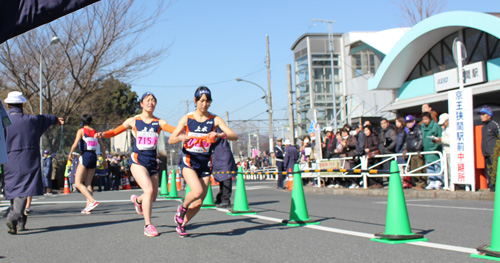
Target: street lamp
269	110
54	40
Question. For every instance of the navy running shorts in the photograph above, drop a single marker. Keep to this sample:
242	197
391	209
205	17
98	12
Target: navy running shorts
88	159
148	162
201	164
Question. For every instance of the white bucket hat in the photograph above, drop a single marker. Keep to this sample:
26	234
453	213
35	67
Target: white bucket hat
15	97
287	142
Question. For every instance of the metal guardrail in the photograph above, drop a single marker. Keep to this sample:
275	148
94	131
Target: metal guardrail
360	170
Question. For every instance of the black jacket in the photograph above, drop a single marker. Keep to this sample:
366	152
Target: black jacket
414	140
490	133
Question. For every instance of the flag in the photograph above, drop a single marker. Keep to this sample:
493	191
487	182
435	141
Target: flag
312	127
19	16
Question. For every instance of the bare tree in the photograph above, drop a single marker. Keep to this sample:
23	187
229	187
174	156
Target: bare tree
96	42
415	11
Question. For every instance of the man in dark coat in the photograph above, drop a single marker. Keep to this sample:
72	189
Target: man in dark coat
490	133
23	176
223	161
278	152
291	156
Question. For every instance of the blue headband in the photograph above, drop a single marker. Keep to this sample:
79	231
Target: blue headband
145	95
201	92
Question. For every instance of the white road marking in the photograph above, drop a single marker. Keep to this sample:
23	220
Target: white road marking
366	235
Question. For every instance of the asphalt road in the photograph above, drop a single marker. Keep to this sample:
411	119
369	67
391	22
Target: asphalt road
57	232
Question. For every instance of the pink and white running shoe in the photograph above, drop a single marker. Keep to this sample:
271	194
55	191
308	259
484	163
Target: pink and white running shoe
150	231
138	207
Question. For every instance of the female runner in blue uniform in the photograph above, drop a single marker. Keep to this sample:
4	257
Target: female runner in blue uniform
86	168
143	161
199	127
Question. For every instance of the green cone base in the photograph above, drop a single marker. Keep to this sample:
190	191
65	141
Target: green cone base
484	257
399	241
240	213
288	222
163	195
208	206
486	249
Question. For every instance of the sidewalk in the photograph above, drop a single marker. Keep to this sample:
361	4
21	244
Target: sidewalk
409	193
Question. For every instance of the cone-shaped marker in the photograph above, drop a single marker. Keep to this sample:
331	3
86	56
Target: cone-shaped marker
163	189
397	224
492	252
173	189
240	206
208	202
298	207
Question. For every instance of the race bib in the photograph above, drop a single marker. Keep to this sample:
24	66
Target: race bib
195	145
91	143
146	141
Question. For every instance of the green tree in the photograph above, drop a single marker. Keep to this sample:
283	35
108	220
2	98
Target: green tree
494	167
113	102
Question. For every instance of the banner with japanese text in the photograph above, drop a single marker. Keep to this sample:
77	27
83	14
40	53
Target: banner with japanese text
462	170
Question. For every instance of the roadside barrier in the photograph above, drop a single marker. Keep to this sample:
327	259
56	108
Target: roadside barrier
163	189
492	252
172	195
397	224
208	202
298	208
362	170
240	206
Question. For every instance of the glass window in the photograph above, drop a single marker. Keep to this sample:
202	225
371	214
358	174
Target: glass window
318	73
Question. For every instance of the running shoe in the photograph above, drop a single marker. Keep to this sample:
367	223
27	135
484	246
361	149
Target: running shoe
179	216
138	207
181	230
150	231
12	225
92	206
86	212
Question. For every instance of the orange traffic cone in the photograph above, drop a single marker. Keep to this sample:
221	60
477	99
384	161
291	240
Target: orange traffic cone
126	183
66	186
178	181
212	180
289	183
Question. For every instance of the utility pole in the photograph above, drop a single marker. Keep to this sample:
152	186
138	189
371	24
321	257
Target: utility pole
331	49
187	106
269	98
290	103
227	121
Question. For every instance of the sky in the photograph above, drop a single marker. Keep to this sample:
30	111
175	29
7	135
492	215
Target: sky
214	42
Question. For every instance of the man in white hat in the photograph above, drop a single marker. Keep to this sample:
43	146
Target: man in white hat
22	171
444	140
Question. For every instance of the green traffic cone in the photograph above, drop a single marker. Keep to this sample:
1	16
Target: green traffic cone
173	188
492	252
397	224
164	189
240	206
298	207
208	202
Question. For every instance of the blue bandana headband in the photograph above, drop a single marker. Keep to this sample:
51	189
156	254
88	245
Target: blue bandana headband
201	92
145	95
